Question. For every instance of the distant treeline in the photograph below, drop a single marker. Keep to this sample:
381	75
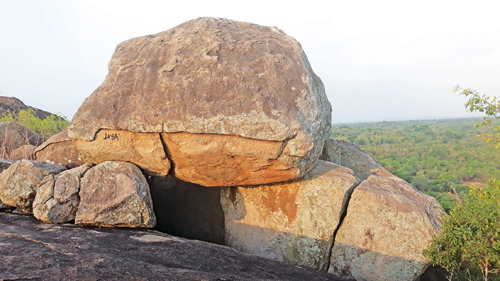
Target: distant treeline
436	156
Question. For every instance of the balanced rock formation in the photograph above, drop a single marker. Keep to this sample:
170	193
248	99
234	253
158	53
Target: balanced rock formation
59	149
19	183
233	103
14	135
293	222
57	198
115	194
388	225
349	155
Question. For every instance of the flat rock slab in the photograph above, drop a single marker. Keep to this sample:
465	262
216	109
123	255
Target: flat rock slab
31	250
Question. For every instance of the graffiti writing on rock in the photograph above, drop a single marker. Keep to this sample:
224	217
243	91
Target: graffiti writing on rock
111	136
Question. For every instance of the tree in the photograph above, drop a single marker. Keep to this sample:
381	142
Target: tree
470	240
487	105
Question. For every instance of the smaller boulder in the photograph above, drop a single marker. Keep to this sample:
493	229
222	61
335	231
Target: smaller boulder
115	194
59	149
57	198
26	151
19	183
388	225
14	135
349	155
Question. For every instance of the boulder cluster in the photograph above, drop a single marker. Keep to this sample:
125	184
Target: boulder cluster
219	131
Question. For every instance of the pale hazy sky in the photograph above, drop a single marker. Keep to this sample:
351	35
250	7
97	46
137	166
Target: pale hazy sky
379	60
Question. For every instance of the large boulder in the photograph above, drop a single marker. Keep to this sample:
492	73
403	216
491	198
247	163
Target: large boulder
235	103
293	222
59	149
388	225
14	135
115	194
19	183
349	155
35	251
57	198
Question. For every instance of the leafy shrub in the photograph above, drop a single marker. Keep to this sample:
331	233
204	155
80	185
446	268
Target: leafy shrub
45	128
469	245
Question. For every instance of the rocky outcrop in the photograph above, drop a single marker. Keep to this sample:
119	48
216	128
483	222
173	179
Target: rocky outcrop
23	152
187	210
14	105
14	135
240	94
59	149
349	155
293	222
115	194
34	251
19	183
388	225
57	198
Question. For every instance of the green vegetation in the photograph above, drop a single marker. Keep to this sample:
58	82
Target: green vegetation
439	157
45	128
487	105
469	245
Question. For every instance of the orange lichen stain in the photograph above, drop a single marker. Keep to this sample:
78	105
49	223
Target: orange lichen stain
281	199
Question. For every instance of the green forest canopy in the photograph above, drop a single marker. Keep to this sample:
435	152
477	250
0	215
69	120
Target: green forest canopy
435	156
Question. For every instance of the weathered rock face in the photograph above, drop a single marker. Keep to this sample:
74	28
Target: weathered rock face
349	155
59	149
14	135
218	160
57	198
388	224
23	152
143	149
243	84
115	194
19	183
187	210
31	250
291	222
